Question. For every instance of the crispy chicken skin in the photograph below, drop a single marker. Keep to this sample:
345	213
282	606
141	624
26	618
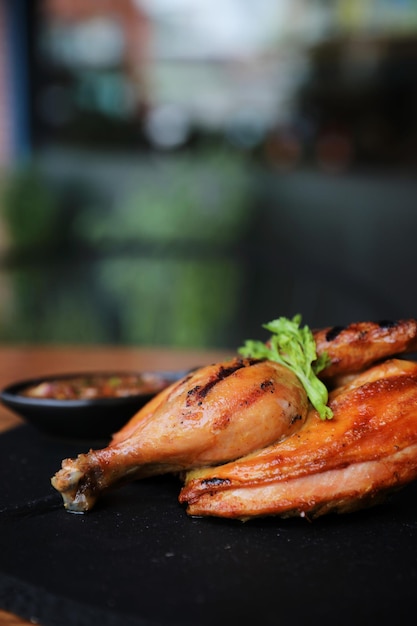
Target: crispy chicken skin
368	449
353	348
218	413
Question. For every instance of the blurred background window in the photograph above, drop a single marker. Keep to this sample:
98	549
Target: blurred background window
177	172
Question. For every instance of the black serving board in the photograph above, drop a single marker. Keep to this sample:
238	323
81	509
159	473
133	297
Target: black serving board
137	559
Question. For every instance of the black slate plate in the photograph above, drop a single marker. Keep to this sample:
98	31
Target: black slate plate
138	560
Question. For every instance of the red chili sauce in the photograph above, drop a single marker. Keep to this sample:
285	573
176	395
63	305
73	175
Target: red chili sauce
97	386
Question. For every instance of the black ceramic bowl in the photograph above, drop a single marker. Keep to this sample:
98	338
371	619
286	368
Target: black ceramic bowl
96	418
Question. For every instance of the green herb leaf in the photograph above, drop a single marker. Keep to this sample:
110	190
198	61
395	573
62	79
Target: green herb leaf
294	347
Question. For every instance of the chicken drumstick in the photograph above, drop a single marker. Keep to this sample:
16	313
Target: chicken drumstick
219	413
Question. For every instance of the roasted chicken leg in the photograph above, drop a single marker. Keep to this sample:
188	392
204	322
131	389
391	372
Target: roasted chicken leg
219	413
351	461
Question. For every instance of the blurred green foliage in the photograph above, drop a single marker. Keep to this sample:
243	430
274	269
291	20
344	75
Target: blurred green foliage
182	198
160	266
29	208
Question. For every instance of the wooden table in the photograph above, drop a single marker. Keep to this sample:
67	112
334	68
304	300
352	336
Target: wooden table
21	362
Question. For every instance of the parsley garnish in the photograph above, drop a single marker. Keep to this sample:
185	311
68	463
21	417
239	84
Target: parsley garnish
295	348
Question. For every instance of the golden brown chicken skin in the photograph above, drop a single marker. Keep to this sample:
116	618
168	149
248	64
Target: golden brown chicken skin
368	449
353	348
218	413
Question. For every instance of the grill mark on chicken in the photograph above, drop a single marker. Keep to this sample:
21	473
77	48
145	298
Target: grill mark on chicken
216	482
333	332
199	392
268	385
388	323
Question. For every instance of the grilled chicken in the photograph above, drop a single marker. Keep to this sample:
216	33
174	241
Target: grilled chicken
219	413
368	449
244	432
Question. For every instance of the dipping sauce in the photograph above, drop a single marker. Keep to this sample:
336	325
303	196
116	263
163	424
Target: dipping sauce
88	387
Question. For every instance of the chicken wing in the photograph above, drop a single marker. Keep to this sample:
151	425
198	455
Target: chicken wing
218	413
351	461
353	348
